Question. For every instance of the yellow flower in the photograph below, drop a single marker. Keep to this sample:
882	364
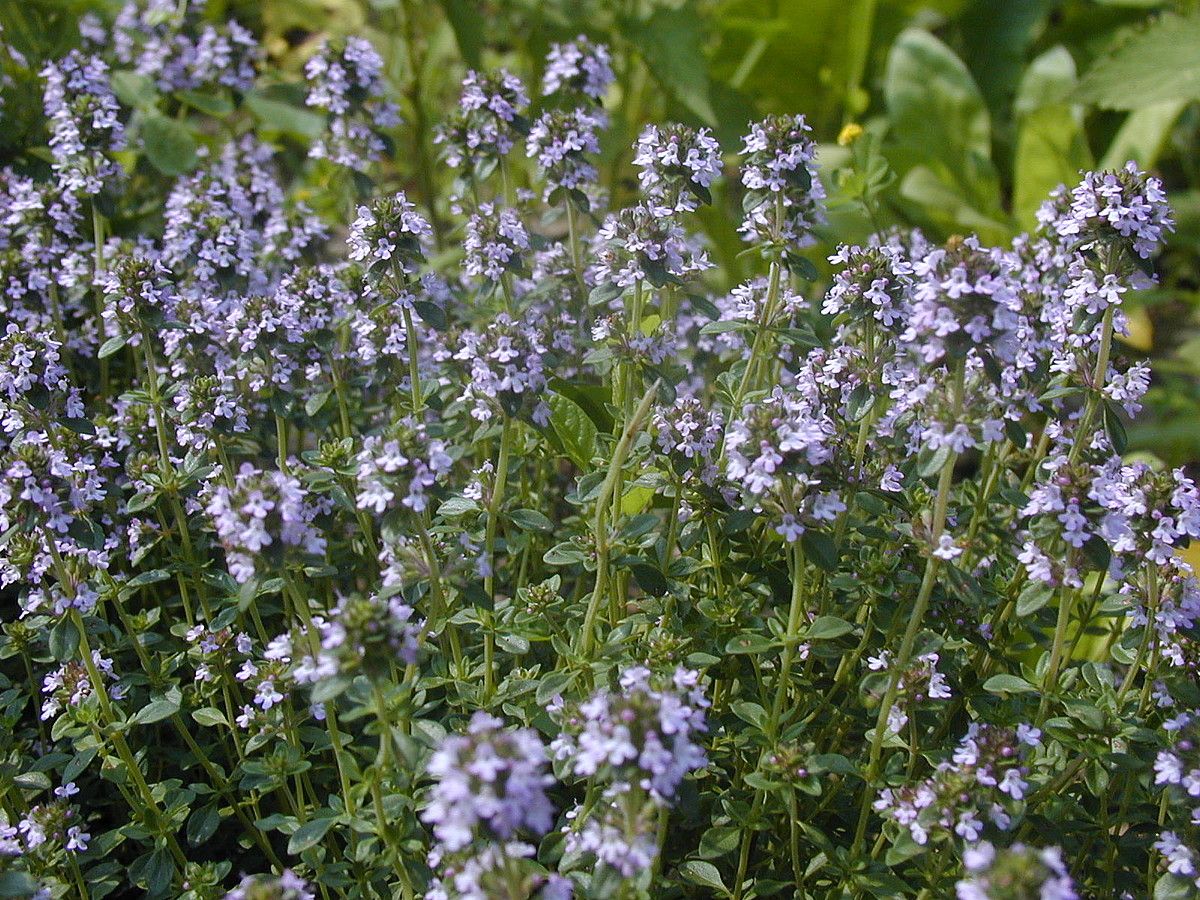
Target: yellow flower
850	133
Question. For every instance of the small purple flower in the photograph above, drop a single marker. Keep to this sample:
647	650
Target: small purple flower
580	67
1012	872
490	784
786	200
348	84
678	164
559	140
85	122
496	242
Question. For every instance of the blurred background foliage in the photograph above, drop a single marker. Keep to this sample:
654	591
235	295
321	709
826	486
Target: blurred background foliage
971	111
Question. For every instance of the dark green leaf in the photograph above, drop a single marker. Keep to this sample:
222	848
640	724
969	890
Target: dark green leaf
309	834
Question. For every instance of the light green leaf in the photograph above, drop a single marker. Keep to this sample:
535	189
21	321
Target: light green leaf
1143	134
1048	81
932	99
210	715
1161	63
1051	150
703	873
285	117
574	429
1007	684
942	136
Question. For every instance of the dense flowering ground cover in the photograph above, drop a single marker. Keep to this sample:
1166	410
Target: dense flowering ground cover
369	552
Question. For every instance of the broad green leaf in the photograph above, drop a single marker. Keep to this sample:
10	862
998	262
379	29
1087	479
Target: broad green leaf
942	136
468	26
216	102
933	102
1048	81
1143	134
17	884
809	57
285	117
574	429
996	37
134	90
1051	150
948	205
1160	64
169	145
671	41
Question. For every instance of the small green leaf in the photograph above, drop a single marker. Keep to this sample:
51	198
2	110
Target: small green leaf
111	346
155	711
930	463
202	824
719	841
649	578
152	577
704	874
827	628
574	428
64	640
309	834
316	402
750	712
820	548
1007	684
1033	597
210	715
531	520
748	642
1115	428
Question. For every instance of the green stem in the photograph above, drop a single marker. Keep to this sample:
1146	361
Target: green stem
1066	599
493	521
795	616
414	375
600	527
1095	397
904	656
